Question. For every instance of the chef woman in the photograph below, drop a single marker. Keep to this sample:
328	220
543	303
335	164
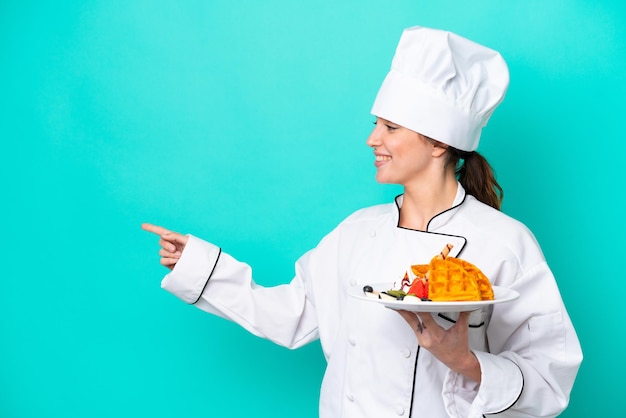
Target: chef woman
514	359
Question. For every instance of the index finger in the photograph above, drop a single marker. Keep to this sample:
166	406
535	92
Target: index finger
426	318
155	229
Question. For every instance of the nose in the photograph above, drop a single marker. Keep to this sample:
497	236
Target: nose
373	140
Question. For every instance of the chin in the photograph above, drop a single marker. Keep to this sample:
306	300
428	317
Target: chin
384	180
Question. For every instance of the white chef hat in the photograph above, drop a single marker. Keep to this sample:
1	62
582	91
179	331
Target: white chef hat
443	86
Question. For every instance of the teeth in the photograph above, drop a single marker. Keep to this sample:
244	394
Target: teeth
382	158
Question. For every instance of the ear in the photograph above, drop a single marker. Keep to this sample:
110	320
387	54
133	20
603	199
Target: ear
439	149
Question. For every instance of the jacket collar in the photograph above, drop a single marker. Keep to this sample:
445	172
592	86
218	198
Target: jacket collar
441	218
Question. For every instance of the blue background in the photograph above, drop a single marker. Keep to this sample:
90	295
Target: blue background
245	123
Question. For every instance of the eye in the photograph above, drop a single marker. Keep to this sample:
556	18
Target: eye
389	126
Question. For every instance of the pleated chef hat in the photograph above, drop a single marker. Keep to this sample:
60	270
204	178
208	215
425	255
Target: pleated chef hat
443	86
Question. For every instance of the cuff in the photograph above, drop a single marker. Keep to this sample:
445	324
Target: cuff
501	386
192	272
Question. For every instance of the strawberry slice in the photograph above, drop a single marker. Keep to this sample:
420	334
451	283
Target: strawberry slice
419	288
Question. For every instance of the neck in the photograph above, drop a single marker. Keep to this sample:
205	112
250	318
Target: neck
424	201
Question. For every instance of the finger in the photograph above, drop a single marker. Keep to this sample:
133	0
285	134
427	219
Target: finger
176	238
155	229
427	319
410	318
168	254
167	245
415	323
463	319
169	262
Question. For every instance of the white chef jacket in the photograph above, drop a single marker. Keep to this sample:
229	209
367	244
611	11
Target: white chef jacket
528	350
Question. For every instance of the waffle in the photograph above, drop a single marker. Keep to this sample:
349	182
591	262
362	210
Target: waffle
453	279
450	279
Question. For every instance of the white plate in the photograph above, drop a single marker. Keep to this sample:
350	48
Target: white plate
501	294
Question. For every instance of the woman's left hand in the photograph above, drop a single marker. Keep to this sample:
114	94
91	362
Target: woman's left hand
450	346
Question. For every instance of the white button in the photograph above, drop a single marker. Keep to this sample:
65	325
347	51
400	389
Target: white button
352	341
406	352
372	233
399	410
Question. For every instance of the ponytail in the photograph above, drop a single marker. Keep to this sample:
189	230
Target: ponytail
476	176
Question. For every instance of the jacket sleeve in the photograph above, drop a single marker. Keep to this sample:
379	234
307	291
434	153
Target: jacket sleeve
217	283
530	371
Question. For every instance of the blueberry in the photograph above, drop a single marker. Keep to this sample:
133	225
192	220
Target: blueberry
368	289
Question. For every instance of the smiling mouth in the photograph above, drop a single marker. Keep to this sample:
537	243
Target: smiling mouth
382	158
